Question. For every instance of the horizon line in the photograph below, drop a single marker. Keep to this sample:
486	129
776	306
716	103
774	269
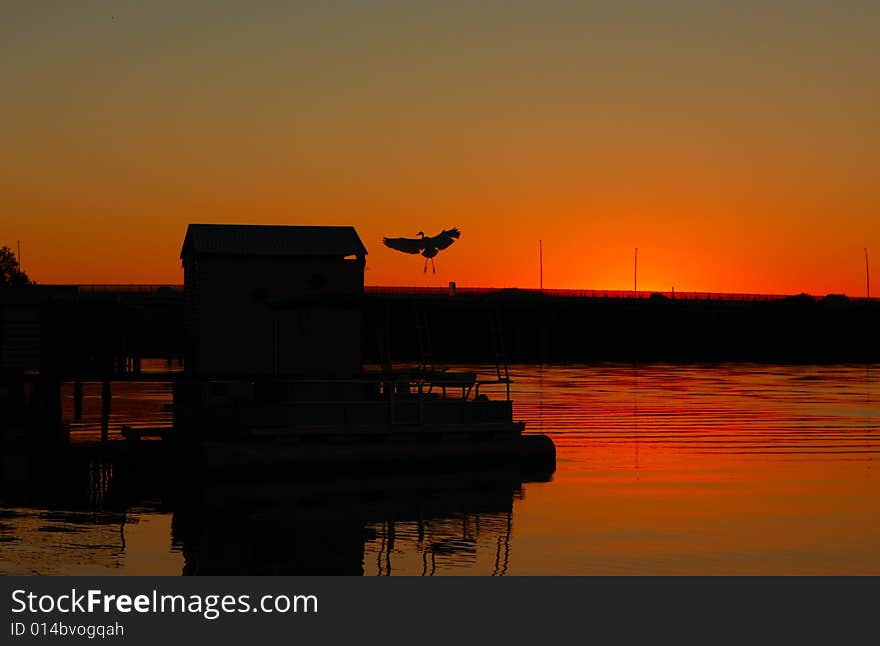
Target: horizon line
476	289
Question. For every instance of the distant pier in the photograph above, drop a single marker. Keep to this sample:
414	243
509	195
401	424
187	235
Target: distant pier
102	331
556	326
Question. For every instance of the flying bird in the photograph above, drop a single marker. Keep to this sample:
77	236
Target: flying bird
428	246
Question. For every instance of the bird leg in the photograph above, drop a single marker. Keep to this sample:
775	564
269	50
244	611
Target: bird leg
433	268
425	270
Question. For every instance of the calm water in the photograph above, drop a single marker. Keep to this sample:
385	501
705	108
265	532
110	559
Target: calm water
723	469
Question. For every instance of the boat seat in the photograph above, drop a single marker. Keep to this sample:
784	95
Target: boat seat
444	380
449	379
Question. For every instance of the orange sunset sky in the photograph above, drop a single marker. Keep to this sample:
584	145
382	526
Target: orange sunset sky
734	143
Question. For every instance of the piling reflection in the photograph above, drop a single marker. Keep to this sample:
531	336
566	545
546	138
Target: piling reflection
414	524
61	516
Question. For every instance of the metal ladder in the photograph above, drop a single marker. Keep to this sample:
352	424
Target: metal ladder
497	333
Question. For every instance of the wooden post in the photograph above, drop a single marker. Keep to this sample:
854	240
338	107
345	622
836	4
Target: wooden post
635	272
105	409
77	399
275	346
392	386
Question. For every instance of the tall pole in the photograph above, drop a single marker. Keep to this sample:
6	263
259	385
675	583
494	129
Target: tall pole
541	264
635	271
867	275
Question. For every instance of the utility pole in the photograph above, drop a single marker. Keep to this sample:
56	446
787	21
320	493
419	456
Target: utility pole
541	264
635	271
867	275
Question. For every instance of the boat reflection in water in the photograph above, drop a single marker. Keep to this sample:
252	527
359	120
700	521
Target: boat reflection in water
377	524
91	516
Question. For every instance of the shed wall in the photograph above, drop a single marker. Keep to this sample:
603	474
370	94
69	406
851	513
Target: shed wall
233	330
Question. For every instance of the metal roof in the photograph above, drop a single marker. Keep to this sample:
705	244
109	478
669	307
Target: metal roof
271	240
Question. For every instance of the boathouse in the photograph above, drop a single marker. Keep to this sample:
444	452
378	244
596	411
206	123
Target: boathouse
264	301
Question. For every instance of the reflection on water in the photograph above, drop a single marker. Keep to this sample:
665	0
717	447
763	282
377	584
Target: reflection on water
661	469
823	411
724	469
416	523
76	517
84	543
410	524
141	404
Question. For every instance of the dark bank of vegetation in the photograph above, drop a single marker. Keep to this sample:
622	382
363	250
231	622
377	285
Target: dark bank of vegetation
11	274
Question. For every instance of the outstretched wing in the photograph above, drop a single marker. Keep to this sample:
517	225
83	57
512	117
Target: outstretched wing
446	238
406	245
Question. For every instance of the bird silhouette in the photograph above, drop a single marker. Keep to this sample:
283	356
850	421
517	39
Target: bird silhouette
428	246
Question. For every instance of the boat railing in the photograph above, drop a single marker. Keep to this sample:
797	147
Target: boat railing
468	383
407	398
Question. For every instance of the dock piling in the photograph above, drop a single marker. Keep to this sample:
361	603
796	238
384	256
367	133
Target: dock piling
105	409
77	399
